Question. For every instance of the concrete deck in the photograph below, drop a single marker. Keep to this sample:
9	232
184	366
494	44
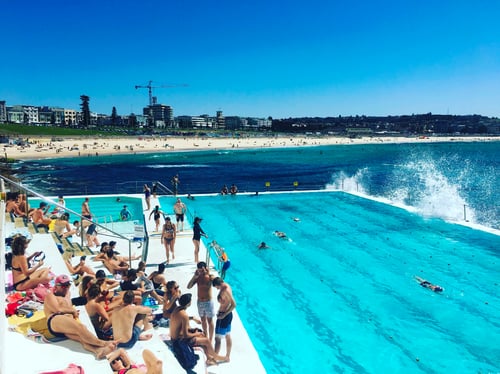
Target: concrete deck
21	355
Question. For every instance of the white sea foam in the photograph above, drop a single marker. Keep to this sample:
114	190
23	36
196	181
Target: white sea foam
419	185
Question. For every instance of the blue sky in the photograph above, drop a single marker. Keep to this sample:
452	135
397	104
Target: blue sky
255	58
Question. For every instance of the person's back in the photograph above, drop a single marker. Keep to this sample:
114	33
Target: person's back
177	321
127	321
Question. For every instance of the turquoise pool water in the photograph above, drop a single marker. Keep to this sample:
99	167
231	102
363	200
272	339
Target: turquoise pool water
340	296
104	208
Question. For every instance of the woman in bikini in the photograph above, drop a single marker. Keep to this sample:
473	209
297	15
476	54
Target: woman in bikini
156	213
168	238
158	279
23	276
121	363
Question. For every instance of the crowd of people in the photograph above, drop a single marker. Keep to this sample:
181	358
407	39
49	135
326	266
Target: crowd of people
119	299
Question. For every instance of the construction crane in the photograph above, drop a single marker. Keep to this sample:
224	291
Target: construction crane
150	89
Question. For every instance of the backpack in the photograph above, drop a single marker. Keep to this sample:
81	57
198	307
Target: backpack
184	354
8	261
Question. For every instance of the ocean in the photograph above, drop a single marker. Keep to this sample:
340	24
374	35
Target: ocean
454	181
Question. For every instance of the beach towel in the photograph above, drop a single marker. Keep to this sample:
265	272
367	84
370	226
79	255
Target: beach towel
71	369
34	327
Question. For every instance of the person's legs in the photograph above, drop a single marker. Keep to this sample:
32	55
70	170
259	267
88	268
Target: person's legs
229	345
153	364
209	351
167	250
204	324
172	243
196	250
74	330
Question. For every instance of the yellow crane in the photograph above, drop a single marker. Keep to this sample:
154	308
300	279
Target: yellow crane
150	89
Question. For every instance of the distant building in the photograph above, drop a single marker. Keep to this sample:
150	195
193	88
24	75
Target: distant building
161	116
3	112
70	117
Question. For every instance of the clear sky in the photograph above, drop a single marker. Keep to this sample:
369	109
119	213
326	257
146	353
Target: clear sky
255	58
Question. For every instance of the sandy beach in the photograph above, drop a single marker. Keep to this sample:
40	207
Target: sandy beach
44	147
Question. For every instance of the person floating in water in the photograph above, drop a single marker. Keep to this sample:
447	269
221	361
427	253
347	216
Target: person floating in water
263	245
280	234
429	285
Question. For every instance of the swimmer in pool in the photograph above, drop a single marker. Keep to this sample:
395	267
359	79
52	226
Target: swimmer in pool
429	285
280	234
263	245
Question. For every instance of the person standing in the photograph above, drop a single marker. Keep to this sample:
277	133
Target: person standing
156	213
224	315
197	233
180	210
175	183
203	279
147	196
168	238
86	209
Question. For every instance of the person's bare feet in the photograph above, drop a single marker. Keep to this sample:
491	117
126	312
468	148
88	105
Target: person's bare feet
104	351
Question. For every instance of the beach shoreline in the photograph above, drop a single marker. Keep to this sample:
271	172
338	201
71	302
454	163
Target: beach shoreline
69	147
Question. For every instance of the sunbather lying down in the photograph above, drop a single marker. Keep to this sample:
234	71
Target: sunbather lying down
121	363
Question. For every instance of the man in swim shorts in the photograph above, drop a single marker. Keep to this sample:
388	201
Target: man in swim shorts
224	316
180	210
62	320
129	321
203	279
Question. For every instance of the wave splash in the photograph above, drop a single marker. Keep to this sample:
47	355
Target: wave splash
430	187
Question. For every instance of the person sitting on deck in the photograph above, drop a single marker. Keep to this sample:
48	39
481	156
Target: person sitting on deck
130	321
147	284
181	333
62	320
61	224
12	207
113	265
79	269
429	285
158	279
23	276
121	363
38	216
101	256
98	313
128	284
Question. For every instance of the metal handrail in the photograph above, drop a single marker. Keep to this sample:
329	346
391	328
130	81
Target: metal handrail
52	202
163	187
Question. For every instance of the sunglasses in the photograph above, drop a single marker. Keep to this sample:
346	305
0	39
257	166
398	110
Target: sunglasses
115	361
66	285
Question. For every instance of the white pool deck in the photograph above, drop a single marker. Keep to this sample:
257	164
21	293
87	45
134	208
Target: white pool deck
20	355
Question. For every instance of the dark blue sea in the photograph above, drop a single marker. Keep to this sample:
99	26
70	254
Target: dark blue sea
450	180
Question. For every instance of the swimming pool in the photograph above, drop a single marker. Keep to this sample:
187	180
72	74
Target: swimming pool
340	296
105	209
